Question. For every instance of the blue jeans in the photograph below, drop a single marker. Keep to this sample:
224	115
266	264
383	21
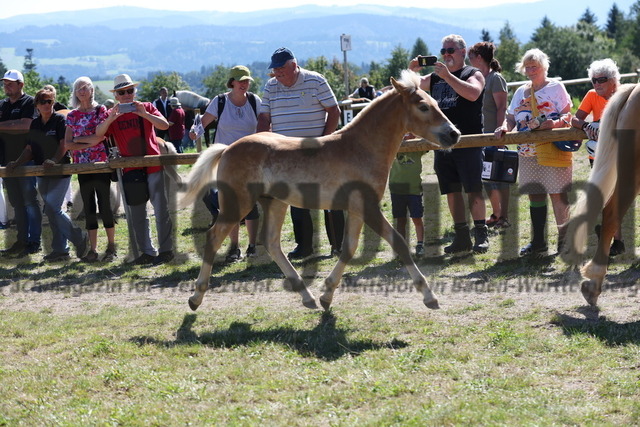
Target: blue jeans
22	195
53	190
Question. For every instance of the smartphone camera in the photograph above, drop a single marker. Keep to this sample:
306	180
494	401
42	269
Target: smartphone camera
127	107
425	61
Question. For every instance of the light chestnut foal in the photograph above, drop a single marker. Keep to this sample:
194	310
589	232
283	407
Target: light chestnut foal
613	184
347	170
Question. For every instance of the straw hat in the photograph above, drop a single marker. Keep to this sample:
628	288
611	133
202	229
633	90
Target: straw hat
122	81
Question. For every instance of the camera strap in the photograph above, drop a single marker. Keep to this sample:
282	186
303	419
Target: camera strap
534	104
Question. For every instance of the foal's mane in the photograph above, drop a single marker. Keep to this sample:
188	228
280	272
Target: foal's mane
408	80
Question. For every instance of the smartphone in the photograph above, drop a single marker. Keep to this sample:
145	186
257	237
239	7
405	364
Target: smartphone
127	107
425	61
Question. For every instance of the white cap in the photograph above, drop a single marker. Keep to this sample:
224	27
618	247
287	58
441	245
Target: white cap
13	76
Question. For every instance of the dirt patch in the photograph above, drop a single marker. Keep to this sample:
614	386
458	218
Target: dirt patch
619	303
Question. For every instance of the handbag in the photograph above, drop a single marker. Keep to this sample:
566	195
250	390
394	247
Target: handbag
500	165
136	190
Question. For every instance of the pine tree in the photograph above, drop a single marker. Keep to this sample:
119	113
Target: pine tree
588	17
419	48
398	62
614	21
508	52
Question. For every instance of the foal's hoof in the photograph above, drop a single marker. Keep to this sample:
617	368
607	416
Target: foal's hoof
326	305
192	305
589	292
433	304
310	304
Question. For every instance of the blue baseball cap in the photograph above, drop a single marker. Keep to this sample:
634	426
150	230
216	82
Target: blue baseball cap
280	57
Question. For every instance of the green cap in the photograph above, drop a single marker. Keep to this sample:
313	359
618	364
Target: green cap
240	73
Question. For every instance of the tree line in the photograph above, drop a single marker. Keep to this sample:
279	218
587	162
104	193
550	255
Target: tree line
571	49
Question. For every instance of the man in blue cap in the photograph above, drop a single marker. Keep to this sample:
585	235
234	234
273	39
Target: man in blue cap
300	103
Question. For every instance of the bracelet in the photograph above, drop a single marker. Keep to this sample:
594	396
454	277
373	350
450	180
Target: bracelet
585	124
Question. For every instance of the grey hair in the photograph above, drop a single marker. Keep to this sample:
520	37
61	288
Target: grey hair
75	102
604	67
455	38
533	55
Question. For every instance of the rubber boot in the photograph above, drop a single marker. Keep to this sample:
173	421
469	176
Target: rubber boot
481	235
461	241
538	245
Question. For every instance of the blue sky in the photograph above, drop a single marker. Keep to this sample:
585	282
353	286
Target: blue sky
43	6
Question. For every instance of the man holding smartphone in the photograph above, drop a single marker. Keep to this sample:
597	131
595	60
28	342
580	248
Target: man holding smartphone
458	89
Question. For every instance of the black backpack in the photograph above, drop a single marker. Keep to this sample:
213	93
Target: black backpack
222	99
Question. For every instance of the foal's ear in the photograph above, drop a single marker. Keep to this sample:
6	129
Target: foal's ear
400	86
397	85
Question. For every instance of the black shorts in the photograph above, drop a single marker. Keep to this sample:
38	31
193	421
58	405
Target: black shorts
459	168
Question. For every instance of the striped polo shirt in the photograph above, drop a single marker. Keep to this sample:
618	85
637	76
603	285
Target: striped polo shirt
298	110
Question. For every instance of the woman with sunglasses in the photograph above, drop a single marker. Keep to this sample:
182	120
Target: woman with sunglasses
544	169
86	147
605	77
45	146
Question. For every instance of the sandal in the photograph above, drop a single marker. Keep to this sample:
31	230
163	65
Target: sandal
110	254
91	256
233	255
492	221
503	223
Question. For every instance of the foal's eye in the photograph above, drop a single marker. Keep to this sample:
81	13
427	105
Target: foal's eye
423	108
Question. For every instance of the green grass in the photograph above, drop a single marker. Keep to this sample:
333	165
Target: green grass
370	363
513	344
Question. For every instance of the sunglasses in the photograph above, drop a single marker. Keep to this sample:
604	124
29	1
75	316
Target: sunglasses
449	50
123	91
600	80
45	101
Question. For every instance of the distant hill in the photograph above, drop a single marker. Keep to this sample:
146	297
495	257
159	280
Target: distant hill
100	42
71	50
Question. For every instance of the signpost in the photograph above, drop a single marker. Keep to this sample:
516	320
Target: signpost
345	45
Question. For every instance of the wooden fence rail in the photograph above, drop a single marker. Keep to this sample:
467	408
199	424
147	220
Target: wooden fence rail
466	141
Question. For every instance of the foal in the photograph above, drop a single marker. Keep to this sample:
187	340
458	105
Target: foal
613	184
346	170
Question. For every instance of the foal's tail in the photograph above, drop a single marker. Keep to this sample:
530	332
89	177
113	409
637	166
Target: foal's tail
203	173
602	180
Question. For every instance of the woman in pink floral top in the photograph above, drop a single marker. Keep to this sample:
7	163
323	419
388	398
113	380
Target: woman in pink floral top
85	147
